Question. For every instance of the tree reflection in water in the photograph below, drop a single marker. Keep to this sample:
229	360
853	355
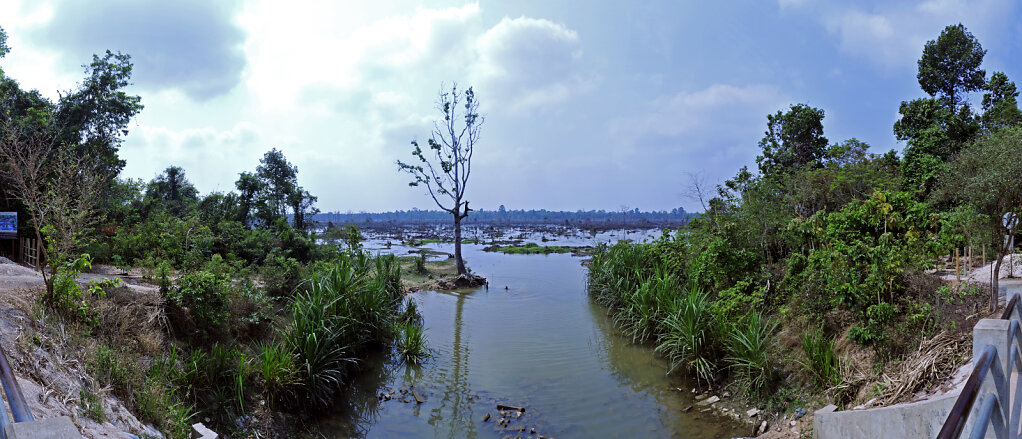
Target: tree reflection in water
453	417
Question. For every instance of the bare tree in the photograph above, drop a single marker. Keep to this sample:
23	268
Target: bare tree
446	170
59	188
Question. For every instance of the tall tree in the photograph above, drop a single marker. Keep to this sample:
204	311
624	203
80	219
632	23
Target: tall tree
279	180
950	66
986	177
96	115
173	190
937	127
1000	106
794	139
249	187
446	170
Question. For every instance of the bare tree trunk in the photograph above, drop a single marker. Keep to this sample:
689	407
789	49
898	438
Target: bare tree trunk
457	245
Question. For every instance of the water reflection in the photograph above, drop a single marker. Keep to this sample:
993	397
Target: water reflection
452	418
541	344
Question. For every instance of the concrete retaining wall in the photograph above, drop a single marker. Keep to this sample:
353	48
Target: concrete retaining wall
921	419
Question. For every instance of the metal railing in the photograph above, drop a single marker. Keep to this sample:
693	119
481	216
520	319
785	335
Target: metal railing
19	408
1000	409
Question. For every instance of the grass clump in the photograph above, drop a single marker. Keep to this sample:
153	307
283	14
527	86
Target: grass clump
749	347
411	342
342	312
821	361
689	335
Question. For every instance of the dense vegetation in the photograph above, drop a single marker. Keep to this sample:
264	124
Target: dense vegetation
828	240
256	315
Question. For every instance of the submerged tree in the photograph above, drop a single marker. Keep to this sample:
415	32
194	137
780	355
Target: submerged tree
445	172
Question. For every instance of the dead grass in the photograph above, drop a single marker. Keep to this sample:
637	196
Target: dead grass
932	364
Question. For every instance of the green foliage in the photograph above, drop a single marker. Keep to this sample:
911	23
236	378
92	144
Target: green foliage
643	309
353	237
531	248
821	361
215	380
690	335
281	275
91	405
277	373
1000	104
985	177
750	356
67	296
794	140
207	298
411	342
420	264
867	247
340	313
950	65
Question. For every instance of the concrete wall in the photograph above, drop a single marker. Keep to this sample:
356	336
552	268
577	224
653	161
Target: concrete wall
921	419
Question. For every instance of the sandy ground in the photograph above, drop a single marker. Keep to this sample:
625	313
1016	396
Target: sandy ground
983	273
50	376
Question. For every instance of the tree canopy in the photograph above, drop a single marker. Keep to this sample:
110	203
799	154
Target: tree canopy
951	66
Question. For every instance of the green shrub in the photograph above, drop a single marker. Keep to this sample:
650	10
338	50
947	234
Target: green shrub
215	380
281	275
340	313
206	297
420	264
643	310
91	405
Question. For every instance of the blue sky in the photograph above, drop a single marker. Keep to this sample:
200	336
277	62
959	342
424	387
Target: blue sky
589	105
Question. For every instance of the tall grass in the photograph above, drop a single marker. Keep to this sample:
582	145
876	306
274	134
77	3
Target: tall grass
411	342
644	309
821	361
616	269
749	347
689	335
344	310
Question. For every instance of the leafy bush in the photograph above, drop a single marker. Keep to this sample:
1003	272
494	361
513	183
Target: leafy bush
281	275
341	312
206	298
215	380
277	373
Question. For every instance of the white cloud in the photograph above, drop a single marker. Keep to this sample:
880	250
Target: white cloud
717	127
212	158
891	35
530	63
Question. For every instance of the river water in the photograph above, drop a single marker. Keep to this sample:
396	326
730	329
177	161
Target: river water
540	344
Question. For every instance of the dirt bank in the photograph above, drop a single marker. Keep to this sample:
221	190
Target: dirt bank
51	365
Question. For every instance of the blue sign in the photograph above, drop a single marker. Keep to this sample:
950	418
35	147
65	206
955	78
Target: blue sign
8	224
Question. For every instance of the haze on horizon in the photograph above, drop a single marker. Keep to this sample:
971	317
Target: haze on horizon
588	105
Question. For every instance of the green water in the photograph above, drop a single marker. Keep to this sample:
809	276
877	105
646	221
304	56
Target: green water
541	344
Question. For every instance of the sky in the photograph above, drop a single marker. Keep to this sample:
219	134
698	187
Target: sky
587	104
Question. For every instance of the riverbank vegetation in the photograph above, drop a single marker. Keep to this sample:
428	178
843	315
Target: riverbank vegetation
817	271
255	322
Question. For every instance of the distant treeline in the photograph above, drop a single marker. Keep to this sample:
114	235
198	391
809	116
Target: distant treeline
676	216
